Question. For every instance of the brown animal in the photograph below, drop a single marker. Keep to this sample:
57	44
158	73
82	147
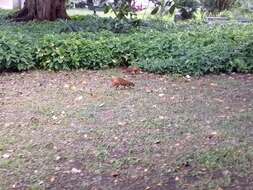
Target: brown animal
117	82
132	70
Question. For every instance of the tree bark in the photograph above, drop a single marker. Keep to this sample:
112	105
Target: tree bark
42	10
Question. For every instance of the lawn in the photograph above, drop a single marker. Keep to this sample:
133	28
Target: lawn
73	12
72	130
84	12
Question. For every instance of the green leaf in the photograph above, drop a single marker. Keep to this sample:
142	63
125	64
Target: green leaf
155	10
107	9
172	9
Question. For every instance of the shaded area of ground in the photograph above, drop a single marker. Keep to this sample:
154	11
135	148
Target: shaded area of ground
72	130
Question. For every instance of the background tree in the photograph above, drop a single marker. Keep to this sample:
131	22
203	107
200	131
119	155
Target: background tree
218	5
42	10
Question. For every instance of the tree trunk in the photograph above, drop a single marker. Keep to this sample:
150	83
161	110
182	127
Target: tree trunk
42	10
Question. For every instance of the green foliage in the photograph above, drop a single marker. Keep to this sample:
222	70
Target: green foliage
16	52
125	17
155	47
215	51
70	27
122	10
57	52
186	7
94	23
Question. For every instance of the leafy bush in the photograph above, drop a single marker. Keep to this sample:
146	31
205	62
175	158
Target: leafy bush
182	49
243	61
197	53
16	52
57	52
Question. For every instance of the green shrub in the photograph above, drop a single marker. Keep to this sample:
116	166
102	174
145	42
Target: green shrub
197	53
16	52
243	61
180	49
72	52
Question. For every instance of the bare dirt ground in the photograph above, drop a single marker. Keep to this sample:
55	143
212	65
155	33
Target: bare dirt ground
72	130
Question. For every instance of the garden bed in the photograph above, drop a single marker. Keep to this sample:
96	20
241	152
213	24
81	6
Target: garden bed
153	46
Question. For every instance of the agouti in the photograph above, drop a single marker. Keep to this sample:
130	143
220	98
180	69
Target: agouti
117	82
132	70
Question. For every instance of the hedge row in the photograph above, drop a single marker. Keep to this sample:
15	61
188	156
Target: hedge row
196	52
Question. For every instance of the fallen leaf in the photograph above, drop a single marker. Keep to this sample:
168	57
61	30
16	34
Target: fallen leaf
54	117
213	84
78	98
188	76
73	88
101	105
8	124
66	86
148	90
57	158
218	100
226	172
75	171
52	179
122	123
6	156
161	117
214	133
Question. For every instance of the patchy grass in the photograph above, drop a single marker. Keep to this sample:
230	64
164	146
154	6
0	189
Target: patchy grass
145	14
73	12
72	130
239	158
